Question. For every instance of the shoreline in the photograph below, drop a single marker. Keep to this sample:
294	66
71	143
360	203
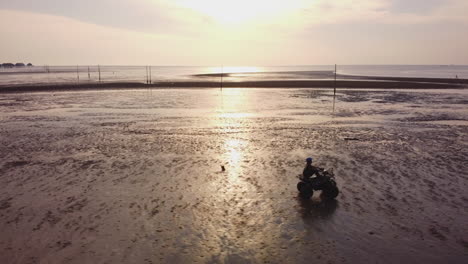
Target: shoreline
365	83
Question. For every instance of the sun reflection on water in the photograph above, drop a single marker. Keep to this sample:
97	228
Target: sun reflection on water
232	118
234	151
233	103
236	69
238	209
234	115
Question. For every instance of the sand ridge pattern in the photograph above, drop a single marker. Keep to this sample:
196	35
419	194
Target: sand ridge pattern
133	176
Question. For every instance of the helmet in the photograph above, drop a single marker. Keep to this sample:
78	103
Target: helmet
309	159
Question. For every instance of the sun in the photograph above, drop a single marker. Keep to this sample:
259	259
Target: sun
241	11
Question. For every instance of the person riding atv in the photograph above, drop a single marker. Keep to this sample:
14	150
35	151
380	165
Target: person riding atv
309	170
323	180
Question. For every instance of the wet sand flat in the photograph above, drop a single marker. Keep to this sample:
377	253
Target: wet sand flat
133	176
348	82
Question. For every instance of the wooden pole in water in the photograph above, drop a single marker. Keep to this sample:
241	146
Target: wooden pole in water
77	74
99	70
150	81
89	75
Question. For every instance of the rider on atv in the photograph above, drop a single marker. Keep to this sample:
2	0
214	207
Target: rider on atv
323	180
309	170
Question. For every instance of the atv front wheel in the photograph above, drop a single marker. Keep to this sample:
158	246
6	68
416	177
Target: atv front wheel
331	192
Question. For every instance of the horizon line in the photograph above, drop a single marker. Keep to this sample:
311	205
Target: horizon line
246	65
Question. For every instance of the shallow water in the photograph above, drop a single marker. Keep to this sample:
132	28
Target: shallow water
92	74
135	176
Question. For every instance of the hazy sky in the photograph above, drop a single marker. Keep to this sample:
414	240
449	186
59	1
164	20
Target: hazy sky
234	32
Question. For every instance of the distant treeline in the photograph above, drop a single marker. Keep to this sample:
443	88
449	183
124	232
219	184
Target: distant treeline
12	65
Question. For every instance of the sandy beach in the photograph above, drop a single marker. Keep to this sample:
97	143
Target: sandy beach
133	175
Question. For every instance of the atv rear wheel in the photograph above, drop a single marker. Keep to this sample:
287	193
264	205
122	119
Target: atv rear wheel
305	191
300	185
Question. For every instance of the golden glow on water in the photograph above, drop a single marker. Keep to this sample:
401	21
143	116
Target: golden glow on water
235	69
241	69
242	186
234	153
232	117
233	103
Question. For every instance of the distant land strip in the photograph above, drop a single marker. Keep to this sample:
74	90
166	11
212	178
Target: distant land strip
384	83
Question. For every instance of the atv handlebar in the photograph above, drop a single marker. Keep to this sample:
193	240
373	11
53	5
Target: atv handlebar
322	172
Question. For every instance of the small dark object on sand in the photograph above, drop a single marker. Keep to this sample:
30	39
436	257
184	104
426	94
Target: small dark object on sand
349	139
222	168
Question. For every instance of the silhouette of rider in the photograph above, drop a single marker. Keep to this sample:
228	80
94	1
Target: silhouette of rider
309	170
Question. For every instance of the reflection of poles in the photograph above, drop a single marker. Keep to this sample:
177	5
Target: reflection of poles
334	93
150	81
150	74
222	73
48	73
333	105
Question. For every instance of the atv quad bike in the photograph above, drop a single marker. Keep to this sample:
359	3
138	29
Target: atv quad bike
324	180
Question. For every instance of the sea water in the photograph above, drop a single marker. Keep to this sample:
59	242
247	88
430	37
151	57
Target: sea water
82	74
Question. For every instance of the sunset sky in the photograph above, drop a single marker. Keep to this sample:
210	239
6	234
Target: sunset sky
234	32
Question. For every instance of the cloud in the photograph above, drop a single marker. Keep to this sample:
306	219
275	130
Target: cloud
158	32
173	17
48	39
382	12
338	11
454	11
154	16
415	6
57	40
